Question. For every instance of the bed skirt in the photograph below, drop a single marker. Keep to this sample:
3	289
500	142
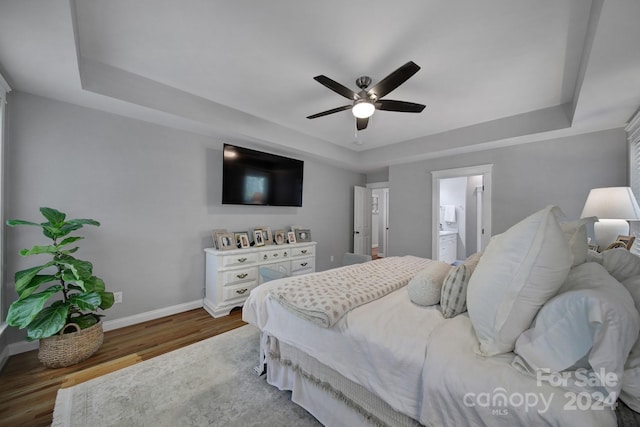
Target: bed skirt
327	395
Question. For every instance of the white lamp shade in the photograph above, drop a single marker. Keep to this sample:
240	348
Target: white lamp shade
613	206
612	203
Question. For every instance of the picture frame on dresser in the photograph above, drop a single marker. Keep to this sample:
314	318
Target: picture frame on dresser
242	239
280	237
303	235
291	237
214	235
225	241
257	237
267	236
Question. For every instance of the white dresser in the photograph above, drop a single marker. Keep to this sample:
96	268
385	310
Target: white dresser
230	275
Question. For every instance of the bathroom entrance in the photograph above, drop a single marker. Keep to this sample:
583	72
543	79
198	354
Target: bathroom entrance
461	212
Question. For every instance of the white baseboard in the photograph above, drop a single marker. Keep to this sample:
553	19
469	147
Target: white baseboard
110	325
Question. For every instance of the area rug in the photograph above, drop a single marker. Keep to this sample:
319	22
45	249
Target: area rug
209	383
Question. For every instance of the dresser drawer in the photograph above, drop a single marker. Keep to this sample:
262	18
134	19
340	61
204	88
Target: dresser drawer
304	251
239	275
240	259
239	291
302	264
275	255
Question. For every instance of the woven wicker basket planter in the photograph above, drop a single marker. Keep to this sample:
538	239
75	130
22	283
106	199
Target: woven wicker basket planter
63	350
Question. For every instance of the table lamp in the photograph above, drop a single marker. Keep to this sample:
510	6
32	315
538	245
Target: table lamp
613	206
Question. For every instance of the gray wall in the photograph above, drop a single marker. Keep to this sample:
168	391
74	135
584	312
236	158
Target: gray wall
526	178
157	193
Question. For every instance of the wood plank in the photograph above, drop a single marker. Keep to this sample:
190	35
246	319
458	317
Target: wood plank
28	390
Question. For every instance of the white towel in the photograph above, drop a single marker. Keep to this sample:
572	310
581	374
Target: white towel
449	213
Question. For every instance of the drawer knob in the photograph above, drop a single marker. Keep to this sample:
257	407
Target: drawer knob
275	255
242	259
241	291
242	276
304	264
265	256
285	254
304	251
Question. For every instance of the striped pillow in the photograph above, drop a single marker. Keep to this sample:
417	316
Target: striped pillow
453	299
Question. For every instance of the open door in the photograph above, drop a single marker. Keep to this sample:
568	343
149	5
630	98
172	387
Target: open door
362	220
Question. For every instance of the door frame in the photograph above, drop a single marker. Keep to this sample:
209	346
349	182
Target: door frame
384	211
436	176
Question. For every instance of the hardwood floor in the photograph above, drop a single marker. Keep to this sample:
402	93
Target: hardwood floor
28	389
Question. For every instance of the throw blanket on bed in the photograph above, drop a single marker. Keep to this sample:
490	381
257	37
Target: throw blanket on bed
325	297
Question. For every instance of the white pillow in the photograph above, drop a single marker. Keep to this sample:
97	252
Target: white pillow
576	234
595	317
631	381
621	263
425	287
519	271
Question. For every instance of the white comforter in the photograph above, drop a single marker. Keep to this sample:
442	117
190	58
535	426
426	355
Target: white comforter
421	364
381	346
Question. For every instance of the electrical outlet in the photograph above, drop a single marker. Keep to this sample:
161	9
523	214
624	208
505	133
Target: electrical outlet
117	297
331	258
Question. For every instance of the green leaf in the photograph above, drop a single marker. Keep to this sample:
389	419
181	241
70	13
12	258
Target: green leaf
14	222
35	283
94	283
69	277
37	250
84	221
48	322
23	278
82	270
85	301
69	240
70	251
107	300
22	312
55	217
85	321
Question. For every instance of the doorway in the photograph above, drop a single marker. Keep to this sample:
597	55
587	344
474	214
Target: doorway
461	212
379	222
371	220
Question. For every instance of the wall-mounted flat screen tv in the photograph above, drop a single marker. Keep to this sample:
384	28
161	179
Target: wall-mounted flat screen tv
251	177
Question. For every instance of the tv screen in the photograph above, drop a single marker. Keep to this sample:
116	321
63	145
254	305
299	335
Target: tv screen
251	177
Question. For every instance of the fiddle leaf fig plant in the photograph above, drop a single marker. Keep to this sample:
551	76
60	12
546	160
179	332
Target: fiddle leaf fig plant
68	282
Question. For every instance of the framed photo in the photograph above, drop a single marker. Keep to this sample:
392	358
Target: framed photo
214	236
225	241
623	242
303	235
267	237
257	237
291	237
279	237
242	239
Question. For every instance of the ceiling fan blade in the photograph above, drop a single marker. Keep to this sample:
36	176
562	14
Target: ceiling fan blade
336	87
401	106
326	113
394	79
361	124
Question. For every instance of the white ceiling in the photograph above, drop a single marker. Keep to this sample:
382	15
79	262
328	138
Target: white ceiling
494	72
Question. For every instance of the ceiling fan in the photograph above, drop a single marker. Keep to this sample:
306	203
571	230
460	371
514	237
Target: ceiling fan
366	101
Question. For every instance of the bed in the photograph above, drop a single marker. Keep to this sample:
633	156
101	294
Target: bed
388	361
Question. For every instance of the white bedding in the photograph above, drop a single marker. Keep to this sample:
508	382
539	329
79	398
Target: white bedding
421	364
464	388
380	346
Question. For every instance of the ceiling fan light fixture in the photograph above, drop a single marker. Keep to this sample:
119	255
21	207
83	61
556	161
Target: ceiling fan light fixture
363	109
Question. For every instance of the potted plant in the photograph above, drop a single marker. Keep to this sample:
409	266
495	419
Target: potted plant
69	329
